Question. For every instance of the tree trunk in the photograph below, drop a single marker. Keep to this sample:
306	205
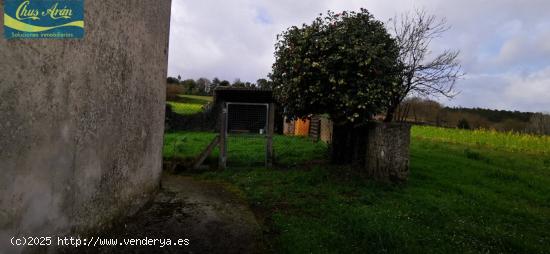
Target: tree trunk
390	113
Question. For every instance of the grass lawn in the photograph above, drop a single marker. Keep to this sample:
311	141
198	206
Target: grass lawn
462	197
244	150
189	104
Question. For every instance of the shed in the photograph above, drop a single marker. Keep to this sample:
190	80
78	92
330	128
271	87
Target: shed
245	111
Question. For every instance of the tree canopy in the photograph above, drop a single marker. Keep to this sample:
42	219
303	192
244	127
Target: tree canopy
205	86
343	64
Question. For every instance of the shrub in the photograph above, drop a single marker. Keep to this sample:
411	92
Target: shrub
172	91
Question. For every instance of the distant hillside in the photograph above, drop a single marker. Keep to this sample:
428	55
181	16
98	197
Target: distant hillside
495	116
429	112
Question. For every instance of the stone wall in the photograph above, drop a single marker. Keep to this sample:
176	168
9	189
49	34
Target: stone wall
387	153
378	150
82	121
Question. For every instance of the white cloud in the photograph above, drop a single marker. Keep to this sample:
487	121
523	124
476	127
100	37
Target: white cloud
530	92
512	91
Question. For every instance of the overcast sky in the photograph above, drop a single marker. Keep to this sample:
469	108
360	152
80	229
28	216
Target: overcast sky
504	44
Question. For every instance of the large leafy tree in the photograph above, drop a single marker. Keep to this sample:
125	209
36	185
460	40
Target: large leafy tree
264	84
345	65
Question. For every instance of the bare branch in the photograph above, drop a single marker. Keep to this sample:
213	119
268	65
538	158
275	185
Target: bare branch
414	32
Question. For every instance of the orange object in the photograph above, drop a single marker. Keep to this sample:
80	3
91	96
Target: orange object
301	128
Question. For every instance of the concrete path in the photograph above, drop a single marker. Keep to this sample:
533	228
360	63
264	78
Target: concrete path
214	219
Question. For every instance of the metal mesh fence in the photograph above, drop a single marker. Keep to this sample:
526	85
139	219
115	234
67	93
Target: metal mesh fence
247	140
247	118
247	125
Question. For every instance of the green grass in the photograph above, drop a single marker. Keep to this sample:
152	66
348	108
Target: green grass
197	99
472	194
185	145
506	141
185	108
244	150
189	104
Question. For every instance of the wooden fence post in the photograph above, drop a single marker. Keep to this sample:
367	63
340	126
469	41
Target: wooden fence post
270	131
223	137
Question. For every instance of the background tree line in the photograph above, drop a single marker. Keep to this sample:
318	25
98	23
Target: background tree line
206	87
430	112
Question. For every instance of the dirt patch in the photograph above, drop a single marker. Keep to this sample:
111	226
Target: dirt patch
213	218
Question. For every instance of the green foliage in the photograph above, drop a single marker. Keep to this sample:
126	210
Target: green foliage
264	84
495	116
172	80
205	87
463	124
190	86
225	83
239	84
344	64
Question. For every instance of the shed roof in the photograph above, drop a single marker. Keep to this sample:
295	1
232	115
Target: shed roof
245	95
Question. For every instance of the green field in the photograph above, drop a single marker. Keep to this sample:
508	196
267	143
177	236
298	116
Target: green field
505	141
469	192
244	151
189	104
